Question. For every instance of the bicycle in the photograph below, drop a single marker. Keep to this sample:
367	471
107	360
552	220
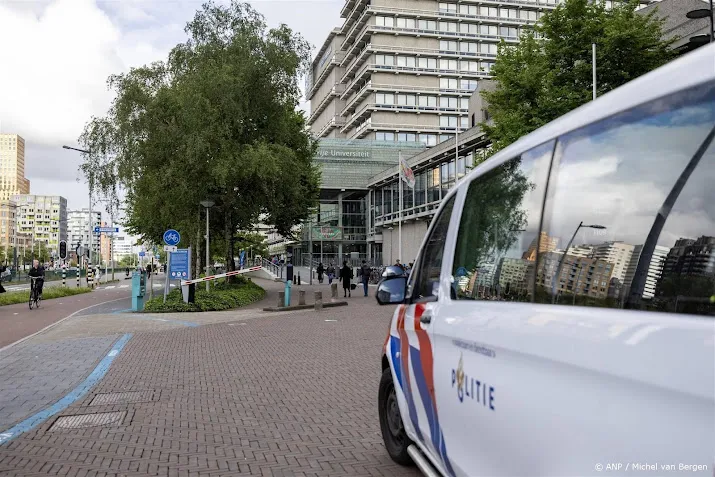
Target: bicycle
35	295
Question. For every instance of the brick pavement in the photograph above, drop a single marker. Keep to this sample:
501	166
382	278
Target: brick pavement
280	395
35	375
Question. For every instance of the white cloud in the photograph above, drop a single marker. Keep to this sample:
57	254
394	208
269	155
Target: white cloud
58	55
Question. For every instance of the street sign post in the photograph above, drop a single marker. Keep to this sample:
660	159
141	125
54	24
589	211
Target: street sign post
172	237
105	230
179	269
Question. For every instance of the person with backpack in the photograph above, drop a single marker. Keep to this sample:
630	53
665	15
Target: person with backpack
365	275
346	274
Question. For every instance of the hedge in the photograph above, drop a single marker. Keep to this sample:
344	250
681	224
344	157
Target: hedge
222	296
48	293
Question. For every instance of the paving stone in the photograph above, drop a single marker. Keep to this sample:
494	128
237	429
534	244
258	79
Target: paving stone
282	395
36	374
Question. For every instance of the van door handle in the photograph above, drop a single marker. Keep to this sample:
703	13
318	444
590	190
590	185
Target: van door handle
426	317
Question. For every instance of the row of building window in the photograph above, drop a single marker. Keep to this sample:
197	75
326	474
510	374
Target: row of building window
433	63
468	47
475	10
427	139
426	101
453	27
430	186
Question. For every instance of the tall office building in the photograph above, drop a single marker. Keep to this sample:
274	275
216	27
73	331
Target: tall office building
403	71
78	223
12	167
42	217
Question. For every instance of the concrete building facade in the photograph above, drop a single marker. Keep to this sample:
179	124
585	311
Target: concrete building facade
8	223
12	167
78	226
43	217
403	70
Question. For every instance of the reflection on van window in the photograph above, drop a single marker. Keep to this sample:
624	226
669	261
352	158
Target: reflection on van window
498	233
610	180
429	265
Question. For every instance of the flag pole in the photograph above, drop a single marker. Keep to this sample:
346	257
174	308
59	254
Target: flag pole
399	234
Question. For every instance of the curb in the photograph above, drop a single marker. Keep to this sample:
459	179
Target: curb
305	307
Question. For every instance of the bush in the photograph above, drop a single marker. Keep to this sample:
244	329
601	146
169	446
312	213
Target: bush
48	293
222	296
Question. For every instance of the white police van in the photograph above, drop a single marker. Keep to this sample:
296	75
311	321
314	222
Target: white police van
560	318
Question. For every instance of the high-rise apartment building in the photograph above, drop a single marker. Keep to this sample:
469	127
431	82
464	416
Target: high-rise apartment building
8	221
78	221
545	242
655	269
42	217
618	253
403	71
12	167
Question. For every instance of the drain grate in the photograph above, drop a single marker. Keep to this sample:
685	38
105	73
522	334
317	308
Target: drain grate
122	398
83	421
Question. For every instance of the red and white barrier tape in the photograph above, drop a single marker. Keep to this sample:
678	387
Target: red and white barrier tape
222	275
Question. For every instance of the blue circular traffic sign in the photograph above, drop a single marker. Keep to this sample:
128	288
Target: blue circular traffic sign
172	237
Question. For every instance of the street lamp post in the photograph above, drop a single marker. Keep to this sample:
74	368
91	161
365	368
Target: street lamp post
704	13
207	204
566	252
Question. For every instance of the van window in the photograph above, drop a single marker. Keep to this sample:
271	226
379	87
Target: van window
611	181
429	265
498	237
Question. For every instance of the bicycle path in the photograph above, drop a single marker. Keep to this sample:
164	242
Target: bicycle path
18	321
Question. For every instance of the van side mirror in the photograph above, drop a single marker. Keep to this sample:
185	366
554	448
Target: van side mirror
392	291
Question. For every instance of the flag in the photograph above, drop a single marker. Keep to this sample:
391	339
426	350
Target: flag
406	174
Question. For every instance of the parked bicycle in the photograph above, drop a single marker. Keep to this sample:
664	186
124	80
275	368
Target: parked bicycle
35	291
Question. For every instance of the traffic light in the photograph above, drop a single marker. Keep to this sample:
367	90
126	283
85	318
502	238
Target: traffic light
63	250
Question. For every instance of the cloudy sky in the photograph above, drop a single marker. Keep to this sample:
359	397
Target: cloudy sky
57	54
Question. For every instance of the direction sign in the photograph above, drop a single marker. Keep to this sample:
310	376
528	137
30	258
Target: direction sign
172	237
179	264
103	230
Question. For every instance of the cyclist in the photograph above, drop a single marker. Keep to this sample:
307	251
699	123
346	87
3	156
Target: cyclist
38	272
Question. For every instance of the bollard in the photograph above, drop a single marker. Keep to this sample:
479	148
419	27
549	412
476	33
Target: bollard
298	278
301	297
281	299
318	301
289	284
334	291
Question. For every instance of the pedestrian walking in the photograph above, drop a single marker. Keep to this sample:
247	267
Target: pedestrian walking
321	271
365	275
346	274
331	273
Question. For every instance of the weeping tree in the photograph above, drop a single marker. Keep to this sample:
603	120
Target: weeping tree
217	121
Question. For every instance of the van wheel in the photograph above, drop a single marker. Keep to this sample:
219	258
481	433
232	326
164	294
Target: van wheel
393	431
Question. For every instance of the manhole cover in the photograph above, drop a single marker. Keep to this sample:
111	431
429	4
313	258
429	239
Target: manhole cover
122	398
82	421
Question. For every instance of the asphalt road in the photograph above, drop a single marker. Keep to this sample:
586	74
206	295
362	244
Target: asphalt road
18	321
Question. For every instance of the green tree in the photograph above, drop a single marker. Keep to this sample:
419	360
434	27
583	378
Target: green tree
217	120
549	72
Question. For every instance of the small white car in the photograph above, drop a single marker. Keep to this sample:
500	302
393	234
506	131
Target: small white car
560	317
